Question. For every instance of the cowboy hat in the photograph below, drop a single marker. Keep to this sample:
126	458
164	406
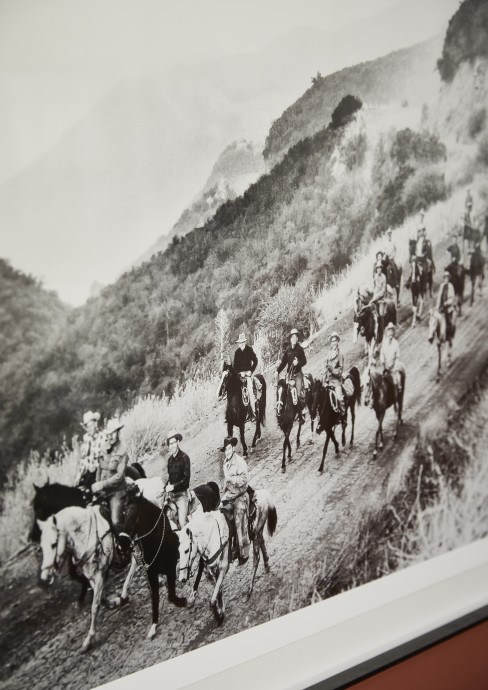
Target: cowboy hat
292	332
333	335
242	338
378	264
113	424
229	441
389	231
91	417
172	433
391	327
447	273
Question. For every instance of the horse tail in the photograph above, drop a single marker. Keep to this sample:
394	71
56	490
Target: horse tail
262	400
355	377
272	516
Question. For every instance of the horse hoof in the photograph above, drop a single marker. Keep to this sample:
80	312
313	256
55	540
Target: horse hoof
245	597
180	602
152	632
87	643
267	570
283	470
381	446
320	472
375	453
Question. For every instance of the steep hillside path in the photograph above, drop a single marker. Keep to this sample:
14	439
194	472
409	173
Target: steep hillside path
317	516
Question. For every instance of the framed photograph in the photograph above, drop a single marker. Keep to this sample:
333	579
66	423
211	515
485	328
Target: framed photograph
243	348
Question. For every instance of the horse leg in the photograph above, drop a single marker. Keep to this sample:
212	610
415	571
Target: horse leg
171	582
193	593
124	596
298	435
449	353
153	580
439	361
243	440
334	440
286	443
216	599
473	282
257	432
324	452
353	419
96	581
255	563
79	578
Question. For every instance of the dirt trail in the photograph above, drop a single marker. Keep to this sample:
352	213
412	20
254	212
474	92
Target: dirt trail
42	630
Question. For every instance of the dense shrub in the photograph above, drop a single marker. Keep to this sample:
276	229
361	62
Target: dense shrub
466	37
344	111
483	149
477	122
423	188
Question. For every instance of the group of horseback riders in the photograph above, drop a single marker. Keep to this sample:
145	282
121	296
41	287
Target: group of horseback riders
103	466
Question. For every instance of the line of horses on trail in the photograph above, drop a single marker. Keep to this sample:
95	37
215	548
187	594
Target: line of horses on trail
71	531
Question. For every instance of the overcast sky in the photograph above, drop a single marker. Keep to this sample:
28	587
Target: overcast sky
57	57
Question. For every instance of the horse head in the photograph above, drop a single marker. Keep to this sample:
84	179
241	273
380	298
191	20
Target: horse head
187	549
53	545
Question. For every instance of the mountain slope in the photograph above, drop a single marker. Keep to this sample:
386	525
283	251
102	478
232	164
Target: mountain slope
406	75
237	167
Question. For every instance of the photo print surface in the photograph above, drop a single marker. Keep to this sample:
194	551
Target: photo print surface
243	353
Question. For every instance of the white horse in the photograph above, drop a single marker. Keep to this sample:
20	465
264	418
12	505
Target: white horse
207	534
85	535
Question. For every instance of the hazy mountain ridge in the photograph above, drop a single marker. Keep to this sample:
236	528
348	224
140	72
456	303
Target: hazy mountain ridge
406	75
237	167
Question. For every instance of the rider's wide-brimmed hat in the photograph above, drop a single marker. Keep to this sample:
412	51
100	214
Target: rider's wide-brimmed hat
333	335
292	332
391	327
242	338
91	417
389	231
172	433
229	441
446	273
378	264
113	424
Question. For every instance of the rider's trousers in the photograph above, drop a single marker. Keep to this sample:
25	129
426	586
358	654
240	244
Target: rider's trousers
179	499
250	390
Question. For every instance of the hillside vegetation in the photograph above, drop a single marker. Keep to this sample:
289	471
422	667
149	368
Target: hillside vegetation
466	38
406	75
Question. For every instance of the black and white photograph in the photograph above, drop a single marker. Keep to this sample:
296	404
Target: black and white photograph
244	333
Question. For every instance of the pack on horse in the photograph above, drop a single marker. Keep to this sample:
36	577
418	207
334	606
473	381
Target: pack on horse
325	407
476	270
370	322
381	393
208	536
234	387
83	535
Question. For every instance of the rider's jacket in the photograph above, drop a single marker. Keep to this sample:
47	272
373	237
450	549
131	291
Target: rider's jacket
179	471
445	298
455	252
334	366
235	478
111	468
245	360
90	452
288	357
390	354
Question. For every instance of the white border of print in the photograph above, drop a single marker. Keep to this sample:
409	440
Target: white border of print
330	637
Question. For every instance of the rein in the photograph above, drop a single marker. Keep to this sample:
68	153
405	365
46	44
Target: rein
141	537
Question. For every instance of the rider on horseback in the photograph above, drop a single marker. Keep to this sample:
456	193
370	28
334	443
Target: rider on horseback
380	293
390	357
235	493
90	450
110	476
446	299
334	367
294	359
178	484
454	249
245	362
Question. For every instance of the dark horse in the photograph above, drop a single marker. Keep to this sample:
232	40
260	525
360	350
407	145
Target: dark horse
287	412
365	321
393	272
476	270
328	414
458	278
237	411
380	392
148	528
